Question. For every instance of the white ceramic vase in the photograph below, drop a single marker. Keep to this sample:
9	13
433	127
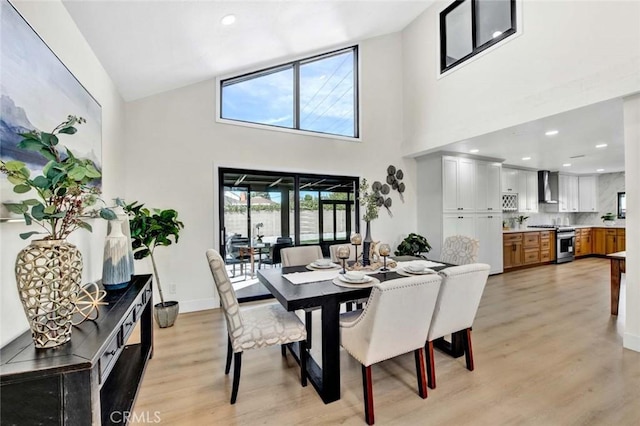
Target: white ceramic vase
116	269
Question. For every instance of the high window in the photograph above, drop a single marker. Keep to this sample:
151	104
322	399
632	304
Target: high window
317	94
467	27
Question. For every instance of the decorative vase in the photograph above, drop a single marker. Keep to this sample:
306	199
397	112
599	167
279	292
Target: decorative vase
126	230
48	274
116	269
366	245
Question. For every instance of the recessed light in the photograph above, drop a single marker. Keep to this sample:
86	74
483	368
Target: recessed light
473	151
566	165
228	20
497	34
600	170
552	133
601	145
526	158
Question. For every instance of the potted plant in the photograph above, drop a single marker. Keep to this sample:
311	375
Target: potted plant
49	270
521	221
413	245
609	219
149	230
258	235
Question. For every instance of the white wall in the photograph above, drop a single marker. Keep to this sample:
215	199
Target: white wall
52	22
174	146
571	54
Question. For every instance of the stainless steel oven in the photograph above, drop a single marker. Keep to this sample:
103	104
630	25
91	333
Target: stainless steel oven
565	242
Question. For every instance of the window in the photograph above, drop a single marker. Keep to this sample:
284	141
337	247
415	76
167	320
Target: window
467	27
318	94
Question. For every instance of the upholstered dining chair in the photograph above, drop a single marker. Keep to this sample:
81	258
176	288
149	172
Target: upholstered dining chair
395	321
301	255
460	250
275	253
298	256
456	308
254	327
333	253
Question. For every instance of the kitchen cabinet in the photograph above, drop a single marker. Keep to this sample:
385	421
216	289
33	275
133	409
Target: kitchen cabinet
527	191
584	241
488	186
588	193
458	225
531	248
512	253
490	251
458	184
509	180
608	240
568	197
547	246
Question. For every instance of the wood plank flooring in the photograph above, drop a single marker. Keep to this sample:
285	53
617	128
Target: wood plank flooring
547	352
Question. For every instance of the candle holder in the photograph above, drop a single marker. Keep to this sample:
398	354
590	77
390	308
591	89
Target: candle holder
384	250
343	254
356	240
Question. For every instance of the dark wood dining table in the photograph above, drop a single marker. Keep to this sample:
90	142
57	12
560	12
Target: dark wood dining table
328	297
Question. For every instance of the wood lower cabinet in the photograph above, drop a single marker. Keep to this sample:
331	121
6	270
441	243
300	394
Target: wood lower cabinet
608	240
584	242
528	248
512	252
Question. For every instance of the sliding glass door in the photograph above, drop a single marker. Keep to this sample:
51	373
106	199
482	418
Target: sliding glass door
267	206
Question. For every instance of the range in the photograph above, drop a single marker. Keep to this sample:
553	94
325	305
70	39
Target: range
565	241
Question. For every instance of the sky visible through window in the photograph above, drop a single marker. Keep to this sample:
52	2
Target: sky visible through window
327	102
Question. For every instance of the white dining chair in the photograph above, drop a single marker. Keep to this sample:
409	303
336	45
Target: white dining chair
456	308
395	321
460	250
255	326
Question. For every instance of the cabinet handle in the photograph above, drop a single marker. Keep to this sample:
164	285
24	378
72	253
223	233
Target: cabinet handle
490	208
111	353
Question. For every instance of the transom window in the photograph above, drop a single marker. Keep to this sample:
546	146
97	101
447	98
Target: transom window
317	94
467	27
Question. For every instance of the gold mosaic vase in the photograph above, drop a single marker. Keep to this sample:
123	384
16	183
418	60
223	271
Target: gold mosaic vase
48	274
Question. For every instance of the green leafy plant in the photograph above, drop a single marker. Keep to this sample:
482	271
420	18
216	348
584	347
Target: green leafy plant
413	245
608	216
63	189
521	219
151	229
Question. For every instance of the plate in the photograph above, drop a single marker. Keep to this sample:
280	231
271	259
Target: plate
423	272
329	266
365	279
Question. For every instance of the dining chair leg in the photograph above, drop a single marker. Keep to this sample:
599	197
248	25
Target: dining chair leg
303	363
283	350
431	365
367	387
349	306
468	350
308	320
229	353
422	380
237	363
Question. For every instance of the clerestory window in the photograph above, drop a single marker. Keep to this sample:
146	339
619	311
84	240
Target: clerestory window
467	27
317	94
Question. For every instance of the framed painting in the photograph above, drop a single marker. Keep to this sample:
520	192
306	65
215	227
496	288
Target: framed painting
37	91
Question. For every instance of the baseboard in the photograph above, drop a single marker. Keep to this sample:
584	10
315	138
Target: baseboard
198	305
631	341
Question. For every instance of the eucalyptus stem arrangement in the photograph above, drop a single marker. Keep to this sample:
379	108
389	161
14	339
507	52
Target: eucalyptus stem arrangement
64	188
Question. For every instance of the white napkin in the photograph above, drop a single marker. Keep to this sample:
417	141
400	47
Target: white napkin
426	263
311	276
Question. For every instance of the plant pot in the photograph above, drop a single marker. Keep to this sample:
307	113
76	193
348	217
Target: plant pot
166	313
48	274
609	222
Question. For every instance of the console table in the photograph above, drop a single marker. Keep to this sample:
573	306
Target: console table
91	380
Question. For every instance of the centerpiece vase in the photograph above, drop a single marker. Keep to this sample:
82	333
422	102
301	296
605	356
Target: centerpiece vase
366	245
48	275
116	269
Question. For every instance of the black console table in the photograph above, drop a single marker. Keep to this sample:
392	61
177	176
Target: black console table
91	380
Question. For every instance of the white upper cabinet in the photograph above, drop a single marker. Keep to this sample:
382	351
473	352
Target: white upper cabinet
588	193
458	184
527	191
488	186
510	180
568	196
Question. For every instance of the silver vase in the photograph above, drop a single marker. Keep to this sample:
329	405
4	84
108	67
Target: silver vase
48	275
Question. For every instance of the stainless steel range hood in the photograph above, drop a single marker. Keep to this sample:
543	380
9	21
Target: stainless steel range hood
547	187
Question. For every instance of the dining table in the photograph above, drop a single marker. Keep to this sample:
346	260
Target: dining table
249	251
328	297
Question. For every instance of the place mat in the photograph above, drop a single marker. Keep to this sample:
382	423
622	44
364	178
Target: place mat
426	263
337	281
310	277
314	268
404	273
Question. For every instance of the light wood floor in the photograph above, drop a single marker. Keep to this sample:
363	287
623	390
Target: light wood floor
547	352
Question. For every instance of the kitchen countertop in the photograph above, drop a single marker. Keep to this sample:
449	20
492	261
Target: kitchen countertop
598	226
512	231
